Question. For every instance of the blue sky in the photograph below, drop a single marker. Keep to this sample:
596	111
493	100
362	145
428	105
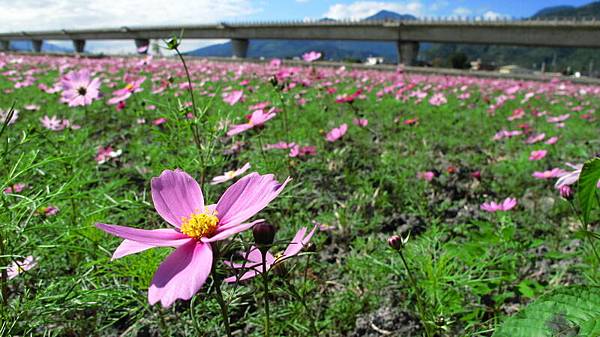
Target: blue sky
27	15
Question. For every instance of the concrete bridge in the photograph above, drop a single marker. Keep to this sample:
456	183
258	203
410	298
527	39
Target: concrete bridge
406	34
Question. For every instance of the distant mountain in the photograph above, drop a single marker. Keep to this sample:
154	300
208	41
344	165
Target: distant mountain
332	50
387	15
46	47
591	10
551	11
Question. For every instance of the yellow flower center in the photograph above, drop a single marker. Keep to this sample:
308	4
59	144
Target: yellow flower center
199	225
230	174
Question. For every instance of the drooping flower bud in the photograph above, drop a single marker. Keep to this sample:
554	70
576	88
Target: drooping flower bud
566	192
264	234
395	242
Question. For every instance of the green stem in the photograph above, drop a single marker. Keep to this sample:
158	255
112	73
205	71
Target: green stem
266	294
223	305
420	305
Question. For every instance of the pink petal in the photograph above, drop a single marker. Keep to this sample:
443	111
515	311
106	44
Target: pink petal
298	242
227	232
247	275
247	197
181	274
128	247
176	194
156	237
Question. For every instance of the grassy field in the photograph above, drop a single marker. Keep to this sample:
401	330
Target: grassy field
433	151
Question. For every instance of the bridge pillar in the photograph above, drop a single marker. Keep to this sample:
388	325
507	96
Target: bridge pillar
5	45
240	47
79	46
36	45
407	52
142	45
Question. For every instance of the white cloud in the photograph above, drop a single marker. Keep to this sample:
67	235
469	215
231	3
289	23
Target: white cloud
491	15
23	15
462	11
362	9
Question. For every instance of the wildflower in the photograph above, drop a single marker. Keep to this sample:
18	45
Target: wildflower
535	138
311	56
19	267
178	199
397	242
104	154
301	151
254	260
565	191
233	97
362	122
549	174
551	140
258	118
79	88
230	175
16	188
570	178
336	133
32	107
507	204
124	93
427	176
438	99
537	155
159	121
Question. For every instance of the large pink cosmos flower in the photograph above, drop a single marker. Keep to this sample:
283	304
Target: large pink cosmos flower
258	118
538	155
79	88
178	199
253	261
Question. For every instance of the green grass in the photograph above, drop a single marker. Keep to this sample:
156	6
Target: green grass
474	268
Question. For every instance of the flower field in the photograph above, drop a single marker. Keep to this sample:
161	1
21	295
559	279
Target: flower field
138	201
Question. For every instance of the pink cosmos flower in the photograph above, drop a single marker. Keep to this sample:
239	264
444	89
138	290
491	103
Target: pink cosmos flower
569	178
19	267
507	204
507	134
301	151
49	210
311	56
16	188
427	176
565	191
535	138
280	146
558	119
550	174
362	122
517	114
178	200
32	107
105	154
230	175
336	133
79	88
258	118
537	155
233	97
253	263
55	124
438	99
124	93
159	121
551	140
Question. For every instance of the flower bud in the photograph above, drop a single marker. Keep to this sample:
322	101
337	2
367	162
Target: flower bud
264	234
395	242
566	192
